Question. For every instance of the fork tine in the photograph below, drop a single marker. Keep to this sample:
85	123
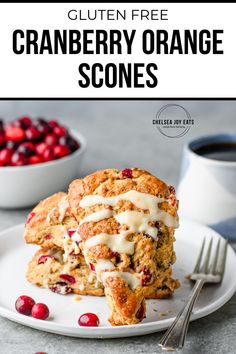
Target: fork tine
204	268
223	253
213	269
197	266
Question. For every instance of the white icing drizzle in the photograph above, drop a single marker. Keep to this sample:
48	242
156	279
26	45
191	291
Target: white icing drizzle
48	219
81	286
140	200
137	221
97	216
116	242
91	277
76	248
76	237
132	280
103	264
63	206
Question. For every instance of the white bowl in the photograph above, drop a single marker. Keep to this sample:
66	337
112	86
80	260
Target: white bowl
25	186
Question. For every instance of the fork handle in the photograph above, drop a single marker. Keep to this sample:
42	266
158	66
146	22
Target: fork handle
174	337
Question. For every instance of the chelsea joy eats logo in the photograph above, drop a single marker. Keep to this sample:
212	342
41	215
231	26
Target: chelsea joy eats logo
173	121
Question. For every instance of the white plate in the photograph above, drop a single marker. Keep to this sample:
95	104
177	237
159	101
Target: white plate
14	256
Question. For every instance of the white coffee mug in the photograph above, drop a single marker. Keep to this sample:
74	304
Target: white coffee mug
207	187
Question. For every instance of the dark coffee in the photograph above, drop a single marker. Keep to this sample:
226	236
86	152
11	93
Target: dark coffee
223	151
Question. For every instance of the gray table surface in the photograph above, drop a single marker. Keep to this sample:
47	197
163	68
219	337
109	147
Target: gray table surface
121	134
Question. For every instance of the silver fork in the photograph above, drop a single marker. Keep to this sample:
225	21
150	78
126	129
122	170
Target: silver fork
204	272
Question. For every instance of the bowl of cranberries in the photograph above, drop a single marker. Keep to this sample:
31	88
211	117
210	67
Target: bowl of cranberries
37	158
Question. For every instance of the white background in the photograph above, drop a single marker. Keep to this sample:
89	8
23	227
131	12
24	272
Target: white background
57	75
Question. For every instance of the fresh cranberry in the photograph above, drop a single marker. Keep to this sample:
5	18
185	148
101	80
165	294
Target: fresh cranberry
32	134
2	139
40	148
147	276
47	237
51	139
1	125
89	320
116	255
25	122
48	154
70	142
92	267
18	159
140	313
12	144
24	305
61	151
53	123
61	288
14	133
40	311
172	189
44	259
60	131
26	149
35	159
43	129
68	278
127	172
30	217
71	232
5	156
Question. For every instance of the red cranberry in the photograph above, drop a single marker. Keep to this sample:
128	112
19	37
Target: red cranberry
116	255
51	139
24	305
30	217
48	154
127	172
40	148
89	320
12	144
61	151
15	134
32	134
26	149
47	237
68	278
92	267
43	129
71	232
60	131
5	156
44	259
53	123
70	142
25	122
2	139
40	311
35	159
1	125
172	189
140	313
147	276
18	159
61	288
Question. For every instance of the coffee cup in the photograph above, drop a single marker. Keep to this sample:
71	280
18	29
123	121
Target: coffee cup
207	186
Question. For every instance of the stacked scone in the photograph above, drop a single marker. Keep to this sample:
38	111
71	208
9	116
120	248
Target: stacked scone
113	233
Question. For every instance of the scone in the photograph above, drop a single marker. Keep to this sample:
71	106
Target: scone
48	269
126	223
51	225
